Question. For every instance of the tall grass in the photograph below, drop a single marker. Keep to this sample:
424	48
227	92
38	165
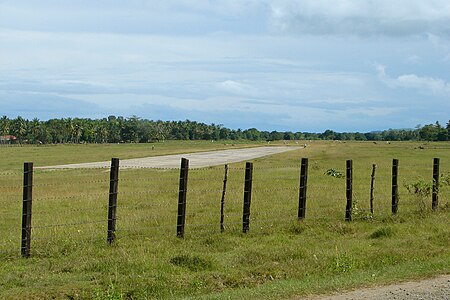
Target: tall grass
278	258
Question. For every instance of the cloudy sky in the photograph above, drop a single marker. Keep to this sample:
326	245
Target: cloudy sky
300	65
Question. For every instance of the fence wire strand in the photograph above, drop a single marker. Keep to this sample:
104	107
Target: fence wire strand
159	189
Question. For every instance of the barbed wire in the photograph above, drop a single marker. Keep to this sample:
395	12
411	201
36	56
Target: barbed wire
309	186
58	169
7	244
9	252
69	224
158	179
49	240
220	167
37	198
141	206
207	190
19	174
275	179
16	199
267	167
149	226
66	210
275	189
255	218
6	187
64	184
319	211
403	164
206	179
76	171
147	192
127	167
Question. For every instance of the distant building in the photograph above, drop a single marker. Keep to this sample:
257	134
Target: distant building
7	139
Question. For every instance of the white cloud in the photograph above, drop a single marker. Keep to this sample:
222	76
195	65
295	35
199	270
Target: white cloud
175	17
435	85
424	84
218	58
413	59
237	88
442	45
382	17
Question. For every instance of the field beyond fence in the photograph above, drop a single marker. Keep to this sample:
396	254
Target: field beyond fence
196	231
95	203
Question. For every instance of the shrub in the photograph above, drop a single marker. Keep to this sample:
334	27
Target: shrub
445	179
334	173
420	188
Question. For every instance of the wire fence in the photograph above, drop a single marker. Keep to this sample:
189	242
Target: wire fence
73	206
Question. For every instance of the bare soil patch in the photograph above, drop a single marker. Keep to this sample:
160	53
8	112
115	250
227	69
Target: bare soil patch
435	288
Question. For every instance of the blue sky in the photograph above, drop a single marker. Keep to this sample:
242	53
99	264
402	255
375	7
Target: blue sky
305	65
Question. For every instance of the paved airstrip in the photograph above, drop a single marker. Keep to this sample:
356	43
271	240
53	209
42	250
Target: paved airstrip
196	160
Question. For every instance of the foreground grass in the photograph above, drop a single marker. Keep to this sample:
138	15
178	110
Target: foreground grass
278	258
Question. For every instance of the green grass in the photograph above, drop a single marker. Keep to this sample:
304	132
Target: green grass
279	257
44	155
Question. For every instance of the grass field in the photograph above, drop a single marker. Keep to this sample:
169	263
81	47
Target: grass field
279	257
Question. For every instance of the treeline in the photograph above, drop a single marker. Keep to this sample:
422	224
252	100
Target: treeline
134	129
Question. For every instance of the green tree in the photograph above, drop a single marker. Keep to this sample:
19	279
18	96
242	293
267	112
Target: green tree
448	129
19	128
429	132
5	125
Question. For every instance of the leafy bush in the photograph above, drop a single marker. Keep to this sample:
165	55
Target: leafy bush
420	188
445	179
334	173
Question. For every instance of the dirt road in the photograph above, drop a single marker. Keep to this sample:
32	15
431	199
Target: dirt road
435	289
196	160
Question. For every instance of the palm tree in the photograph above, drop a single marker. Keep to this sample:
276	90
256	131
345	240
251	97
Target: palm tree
19	128
5	124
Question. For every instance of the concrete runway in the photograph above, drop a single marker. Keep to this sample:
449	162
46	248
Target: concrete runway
196	160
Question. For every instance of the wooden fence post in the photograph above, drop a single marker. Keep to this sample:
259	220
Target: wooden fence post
222	202
434	203
349	190
247	196
372	183
181	217
394	186
112	205
302	191
26	209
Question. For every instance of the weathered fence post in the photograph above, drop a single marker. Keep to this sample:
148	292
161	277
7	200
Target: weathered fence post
26	210
349	190
112	205
372	183
222	202
247	196
434	203
394	186
302	191
181	217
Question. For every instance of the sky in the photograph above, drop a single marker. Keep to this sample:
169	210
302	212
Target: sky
300	65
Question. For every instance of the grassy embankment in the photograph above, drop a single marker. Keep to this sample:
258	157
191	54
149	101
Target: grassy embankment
278	258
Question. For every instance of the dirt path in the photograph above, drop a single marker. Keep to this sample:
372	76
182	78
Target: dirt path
196	160
435	288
